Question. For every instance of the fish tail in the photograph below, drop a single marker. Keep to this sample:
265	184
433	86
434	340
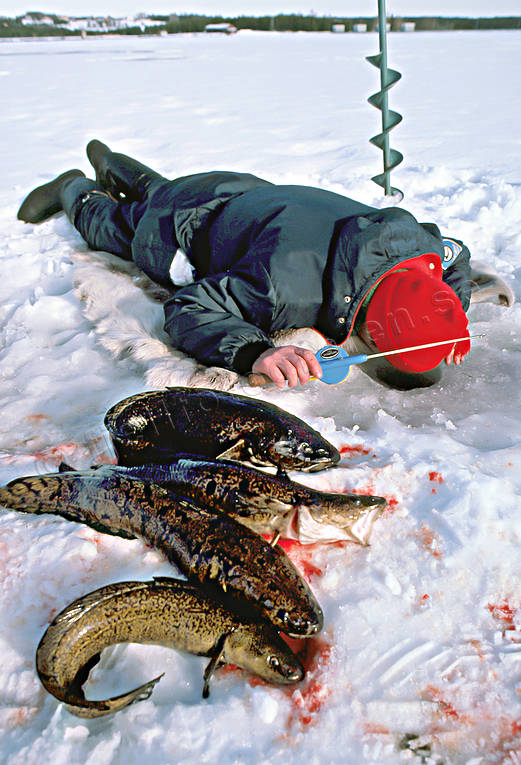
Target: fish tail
55	495
28	495
86	708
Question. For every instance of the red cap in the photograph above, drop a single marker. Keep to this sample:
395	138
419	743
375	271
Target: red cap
413	308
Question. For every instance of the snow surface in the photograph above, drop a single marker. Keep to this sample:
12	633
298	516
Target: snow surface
419	660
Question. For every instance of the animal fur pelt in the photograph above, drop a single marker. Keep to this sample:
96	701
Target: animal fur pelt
125	308
487	286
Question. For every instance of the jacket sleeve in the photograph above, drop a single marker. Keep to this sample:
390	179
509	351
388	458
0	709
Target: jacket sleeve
224	319
457	275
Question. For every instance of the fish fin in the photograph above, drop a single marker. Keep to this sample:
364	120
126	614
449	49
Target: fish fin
63	467
234	452
151	473
86	708
213	664
72	612
170	581
92	524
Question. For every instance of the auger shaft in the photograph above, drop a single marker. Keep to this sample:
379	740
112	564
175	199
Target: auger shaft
382	34
380	100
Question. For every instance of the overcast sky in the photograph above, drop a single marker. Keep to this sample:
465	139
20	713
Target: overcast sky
264	7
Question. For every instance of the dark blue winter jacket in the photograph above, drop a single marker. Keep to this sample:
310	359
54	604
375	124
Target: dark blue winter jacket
271	257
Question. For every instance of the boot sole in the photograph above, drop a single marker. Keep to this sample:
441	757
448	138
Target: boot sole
44	201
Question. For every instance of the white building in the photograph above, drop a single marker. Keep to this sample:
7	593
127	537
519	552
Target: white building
93	24
29	19
227	29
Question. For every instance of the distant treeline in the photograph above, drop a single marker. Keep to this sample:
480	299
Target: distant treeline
299	23
13	27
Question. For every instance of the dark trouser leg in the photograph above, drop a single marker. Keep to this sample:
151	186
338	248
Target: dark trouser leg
120	174
383	372
103	223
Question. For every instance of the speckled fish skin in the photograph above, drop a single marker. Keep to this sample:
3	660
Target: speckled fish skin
166	612
206	545
158	425
265	503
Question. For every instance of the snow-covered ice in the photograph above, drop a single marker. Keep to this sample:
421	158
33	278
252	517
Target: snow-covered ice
420	659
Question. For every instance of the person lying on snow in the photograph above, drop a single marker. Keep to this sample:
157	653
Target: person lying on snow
263	258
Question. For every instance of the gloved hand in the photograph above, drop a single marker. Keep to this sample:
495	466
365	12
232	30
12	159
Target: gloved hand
458	351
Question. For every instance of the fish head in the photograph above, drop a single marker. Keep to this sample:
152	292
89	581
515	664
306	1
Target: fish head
345	508
305	623
258	648
308	452
339	517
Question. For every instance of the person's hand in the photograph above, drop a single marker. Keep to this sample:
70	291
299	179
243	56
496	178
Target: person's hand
288	363
459	350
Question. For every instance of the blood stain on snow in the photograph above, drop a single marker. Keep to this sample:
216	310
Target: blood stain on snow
56	453
447	709
505	613
310	696
37	417
507	741
392	502
392	506
20	716
478	647
104	459
229	669
97	541
436	478
375	728
422	602
307	704
354	451
429	540
301	557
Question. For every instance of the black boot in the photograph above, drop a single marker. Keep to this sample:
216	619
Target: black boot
118	174
45	200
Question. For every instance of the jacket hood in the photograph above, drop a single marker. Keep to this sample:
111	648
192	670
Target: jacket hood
368	247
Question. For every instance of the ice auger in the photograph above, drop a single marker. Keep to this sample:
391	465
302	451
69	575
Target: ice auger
388	78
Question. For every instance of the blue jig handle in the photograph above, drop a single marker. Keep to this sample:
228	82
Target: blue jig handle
336	363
